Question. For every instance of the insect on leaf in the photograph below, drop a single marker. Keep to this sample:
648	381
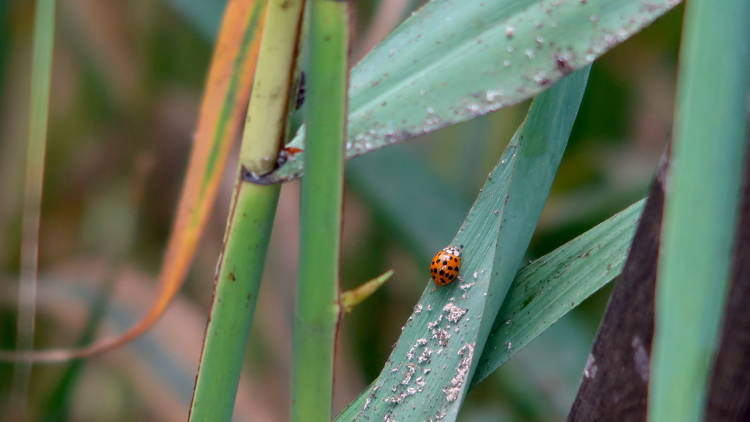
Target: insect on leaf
431	366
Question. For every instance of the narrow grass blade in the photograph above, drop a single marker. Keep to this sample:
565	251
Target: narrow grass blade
452	61
227	90
431	366
702	203
548	288
317	309
249	225
41	71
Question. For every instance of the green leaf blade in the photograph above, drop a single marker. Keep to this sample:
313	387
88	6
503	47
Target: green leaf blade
701	206
430	369
548	288
451	62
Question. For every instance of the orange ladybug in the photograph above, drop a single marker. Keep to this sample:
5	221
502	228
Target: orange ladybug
445	265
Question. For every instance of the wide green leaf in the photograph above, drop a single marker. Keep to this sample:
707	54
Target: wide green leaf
430	368
452	61
548	288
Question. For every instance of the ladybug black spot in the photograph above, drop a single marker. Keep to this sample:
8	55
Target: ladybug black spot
442	272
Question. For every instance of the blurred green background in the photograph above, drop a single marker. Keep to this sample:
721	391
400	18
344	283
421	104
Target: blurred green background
126	86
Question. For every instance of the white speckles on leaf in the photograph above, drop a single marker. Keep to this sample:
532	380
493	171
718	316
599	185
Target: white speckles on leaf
450	85
541	78
493	95
407	390
424	357
441	336
410	370
454	313
453	390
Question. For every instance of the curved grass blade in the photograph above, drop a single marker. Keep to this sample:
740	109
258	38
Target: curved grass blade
430	368
548	288
701	206
227	91
452	61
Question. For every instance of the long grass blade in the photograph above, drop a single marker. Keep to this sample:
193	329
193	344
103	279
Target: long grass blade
227	91
41	72
701	206
250	220
431	366
450	62
548	288
317	309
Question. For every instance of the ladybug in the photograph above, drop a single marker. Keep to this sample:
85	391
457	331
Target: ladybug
445	265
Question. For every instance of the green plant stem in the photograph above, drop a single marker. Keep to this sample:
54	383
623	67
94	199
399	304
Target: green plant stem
41	70
268	109
251	218
235	295
318	310
702	201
